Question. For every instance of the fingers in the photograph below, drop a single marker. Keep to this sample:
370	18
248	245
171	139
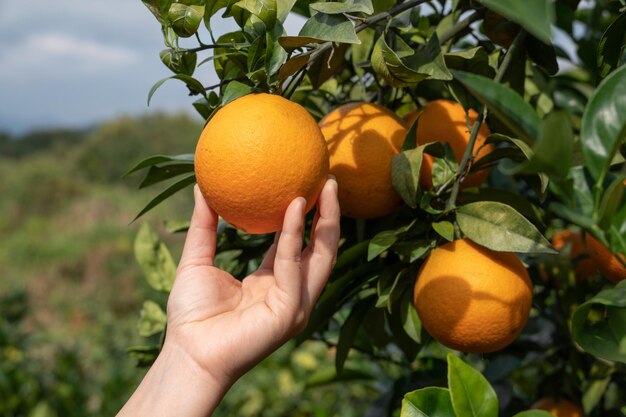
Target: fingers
319	258
289	251
202	235
268	261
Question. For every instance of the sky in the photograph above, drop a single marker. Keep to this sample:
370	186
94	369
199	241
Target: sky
74	63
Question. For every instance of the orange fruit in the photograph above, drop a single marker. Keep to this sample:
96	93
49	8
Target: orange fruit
607	262
566	239
362	139
255	156
558	407
471	298
445	121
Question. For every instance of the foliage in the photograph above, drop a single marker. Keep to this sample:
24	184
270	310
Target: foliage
558	163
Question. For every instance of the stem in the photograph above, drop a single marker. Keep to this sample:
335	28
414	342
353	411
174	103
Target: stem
217	45
460	26
467	156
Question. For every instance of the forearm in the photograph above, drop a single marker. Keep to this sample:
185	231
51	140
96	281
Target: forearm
175	386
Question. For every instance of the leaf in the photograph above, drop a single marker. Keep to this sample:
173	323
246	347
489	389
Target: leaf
535	16
505	103
406	167
542	54
603	127
604	337
169	191
151	319
410	320
349	330
185	19
283	7
427	402
328	375
323	68
329	27
158	159
346	6
553	150
444	229
470	393
158	8
611	46
194	85
475	60
265	10
234	90
154	259
292	66
380	243
182	62
611	202
275	55
500	227
290	43
533	413
158	174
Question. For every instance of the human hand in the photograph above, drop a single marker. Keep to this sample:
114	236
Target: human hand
219	327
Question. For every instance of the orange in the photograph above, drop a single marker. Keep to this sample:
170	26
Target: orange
607	262
446	121
362	139
471	298
558	407
255	156
573	241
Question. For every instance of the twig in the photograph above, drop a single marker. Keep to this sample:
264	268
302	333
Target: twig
460	26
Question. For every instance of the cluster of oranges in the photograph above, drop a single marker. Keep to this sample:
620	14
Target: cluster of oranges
261	151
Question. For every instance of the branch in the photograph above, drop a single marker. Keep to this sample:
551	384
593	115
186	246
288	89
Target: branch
217	45
460	26
460	173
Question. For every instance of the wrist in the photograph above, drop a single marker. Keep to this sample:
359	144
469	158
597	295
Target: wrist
176	385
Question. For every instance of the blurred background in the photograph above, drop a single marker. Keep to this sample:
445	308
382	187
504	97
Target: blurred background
74	81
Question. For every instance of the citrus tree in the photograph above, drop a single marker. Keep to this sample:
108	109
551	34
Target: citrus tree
479	150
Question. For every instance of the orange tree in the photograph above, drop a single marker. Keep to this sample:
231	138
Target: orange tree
507	140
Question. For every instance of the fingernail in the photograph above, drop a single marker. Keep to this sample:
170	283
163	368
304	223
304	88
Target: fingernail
332	177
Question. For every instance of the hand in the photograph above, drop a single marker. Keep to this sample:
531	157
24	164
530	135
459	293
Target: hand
219	327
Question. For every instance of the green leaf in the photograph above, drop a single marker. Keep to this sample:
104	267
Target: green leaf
611	46
612	201
154	259
380	243
169	191
505	103
470	393
427	402
349	330
290	43
535	16
329	27
406	167
185	19
152	319
475	60
275	55
292	66
194	85
542	54
158	174
603	128
533	413
328	375
234	90
410	320
599	325
158	159
500	227
266	10
283	7
158	8
327	65
552	152
182	62
345	6
444	229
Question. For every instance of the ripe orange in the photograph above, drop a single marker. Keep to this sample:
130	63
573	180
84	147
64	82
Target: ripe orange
566	239
446	121
558	407
255	156
362	139
471	298
608	264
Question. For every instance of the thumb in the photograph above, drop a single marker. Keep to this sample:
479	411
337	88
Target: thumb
202	235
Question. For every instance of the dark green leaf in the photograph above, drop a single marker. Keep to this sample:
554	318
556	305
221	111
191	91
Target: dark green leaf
185	19
611	46
475	60
535	16
266	10
470	393
275	55
612	201
380	243
158	174
603	127
349	330
159	159
158	8
500	227
405	170
182	62
444	229
294	42
171	190
427	402
154	259
194	85
542	54
410	320
234	90
151	319
345	6
506	104
292	66
327	65
552	152
599	325
329	27
410	251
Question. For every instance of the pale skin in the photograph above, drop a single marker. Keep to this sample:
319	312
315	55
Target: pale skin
219	327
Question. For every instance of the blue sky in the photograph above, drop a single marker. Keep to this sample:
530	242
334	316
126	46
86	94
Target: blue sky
77	62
